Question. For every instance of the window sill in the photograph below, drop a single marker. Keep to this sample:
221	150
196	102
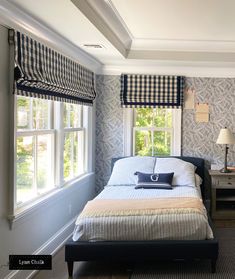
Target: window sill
25	211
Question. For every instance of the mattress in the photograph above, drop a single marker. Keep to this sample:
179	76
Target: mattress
167	226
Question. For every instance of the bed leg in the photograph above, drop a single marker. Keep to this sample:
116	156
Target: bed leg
70	269
213	265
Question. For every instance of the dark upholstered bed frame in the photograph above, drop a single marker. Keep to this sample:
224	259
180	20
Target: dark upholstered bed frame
145	250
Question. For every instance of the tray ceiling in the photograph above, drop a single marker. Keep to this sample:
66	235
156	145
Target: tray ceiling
184	31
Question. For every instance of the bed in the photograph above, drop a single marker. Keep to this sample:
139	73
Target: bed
93	247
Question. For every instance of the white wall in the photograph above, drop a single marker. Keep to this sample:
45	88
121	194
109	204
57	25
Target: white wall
33	231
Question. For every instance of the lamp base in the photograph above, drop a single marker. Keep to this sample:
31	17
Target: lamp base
225	170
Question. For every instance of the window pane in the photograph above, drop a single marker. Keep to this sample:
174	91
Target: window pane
143	143
41	114
144	117
23	113
72	115
25	169
162	118
162	143
44	164
34	167
73	146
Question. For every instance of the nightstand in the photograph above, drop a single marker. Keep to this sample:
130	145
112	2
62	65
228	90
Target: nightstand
223	195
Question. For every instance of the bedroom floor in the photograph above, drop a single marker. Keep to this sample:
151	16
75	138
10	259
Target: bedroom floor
179	270
84	270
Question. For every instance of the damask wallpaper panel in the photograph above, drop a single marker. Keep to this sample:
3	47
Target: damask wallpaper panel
198	139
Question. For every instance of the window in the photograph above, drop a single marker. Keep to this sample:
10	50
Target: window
73	141
152	131
45	132
35	140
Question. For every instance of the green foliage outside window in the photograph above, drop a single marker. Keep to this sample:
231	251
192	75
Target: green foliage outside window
34	160
71	155
148	140
24	163
33	153
71	120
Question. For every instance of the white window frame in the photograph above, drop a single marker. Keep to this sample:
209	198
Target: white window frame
58	130
35	133
82	146
128	138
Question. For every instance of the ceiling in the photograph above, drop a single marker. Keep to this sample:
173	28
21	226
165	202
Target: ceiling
65	19
178	19
148	31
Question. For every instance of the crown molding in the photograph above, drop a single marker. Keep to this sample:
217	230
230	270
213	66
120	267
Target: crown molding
183	45
198	56
103	15
189	68
13	17
174	61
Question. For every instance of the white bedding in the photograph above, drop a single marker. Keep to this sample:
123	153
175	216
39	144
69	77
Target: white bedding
187	226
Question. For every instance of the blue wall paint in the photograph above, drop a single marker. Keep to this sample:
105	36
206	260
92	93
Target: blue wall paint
32	232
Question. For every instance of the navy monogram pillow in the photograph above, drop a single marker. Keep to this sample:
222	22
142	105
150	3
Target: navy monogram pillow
154	180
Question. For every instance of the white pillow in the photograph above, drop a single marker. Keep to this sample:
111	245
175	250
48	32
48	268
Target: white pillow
124	169
198	180
184	172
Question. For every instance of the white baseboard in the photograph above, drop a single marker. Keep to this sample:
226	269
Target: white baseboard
48	248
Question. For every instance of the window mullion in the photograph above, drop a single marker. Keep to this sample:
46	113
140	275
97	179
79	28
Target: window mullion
68	130
51	121
80	150
59	148
35	142
72	155
128	119
152	140
34	132
153	129
133	146
68	115
81	116
153	118
31	114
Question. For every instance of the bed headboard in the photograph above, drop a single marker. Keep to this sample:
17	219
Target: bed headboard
197	162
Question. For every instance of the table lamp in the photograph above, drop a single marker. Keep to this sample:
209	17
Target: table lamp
225	137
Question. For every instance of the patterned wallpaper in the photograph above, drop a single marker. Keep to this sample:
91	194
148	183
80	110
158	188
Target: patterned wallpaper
109	126
198	139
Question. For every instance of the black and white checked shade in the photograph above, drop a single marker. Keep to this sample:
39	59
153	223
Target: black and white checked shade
151	91
42	72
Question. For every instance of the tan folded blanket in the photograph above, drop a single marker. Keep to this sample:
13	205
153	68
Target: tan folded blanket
105	208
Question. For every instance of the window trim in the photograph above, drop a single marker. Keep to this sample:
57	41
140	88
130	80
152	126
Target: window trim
81	147
51	130
80	128
128	139
21	214
36	133
17	212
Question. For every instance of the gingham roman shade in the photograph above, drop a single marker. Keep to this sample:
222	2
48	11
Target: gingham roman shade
44	73
151	91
